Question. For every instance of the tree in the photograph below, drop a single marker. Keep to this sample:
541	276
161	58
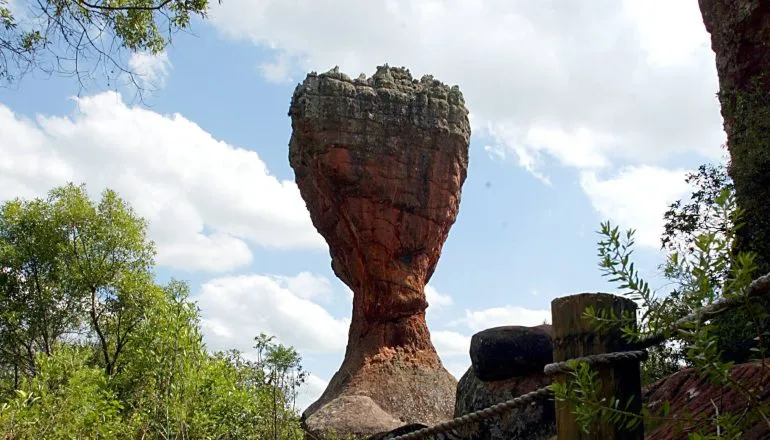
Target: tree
37	309
68	262
108	259
685	223
77	37
92	347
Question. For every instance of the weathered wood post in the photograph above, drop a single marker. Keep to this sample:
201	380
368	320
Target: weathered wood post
573	337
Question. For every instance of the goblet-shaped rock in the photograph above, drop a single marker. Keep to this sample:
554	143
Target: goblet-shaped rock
380	163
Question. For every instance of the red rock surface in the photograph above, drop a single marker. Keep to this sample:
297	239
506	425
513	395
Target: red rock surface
740	38
380	163
688	393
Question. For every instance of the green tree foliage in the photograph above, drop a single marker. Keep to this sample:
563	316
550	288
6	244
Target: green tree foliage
67	262
75	37
685	224
92	347
704	267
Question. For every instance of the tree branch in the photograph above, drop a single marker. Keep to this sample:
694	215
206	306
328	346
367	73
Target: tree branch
125	8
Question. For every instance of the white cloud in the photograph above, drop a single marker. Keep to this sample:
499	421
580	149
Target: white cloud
307	285
205	252
204	199
348	292
436	300
278	70
478	320
586	149
576	82
151	70
449	343
457	369
310	391
235	309
683	22
636	198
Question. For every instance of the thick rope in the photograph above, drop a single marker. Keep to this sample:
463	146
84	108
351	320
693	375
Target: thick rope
526	399
477	416
759	286
596	359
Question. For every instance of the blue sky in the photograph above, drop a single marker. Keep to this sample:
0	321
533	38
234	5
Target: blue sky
588	112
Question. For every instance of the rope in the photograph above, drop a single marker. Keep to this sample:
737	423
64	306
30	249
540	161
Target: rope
477	416
596	359
757	287
525	399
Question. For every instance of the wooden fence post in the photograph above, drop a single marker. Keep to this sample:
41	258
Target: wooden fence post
574	336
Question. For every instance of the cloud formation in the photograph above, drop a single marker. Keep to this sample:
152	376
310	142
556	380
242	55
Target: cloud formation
151	70
437	300
584	85
206	201
542	78
235	309
636	197
478	320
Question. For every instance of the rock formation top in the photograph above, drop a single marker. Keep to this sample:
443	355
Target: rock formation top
390	97
380	163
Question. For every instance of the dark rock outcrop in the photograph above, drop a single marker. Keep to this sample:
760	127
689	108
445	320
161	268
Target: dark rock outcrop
500	353
517	355
380	163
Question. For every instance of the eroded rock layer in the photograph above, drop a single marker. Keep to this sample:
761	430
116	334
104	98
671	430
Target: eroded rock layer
380	163
694	402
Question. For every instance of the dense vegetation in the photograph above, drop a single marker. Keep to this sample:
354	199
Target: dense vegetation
92	347
703	265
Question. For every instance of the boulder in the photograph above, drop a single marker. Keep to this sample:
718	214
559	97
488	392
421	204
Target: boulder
348	415
534	422
501	353
506	363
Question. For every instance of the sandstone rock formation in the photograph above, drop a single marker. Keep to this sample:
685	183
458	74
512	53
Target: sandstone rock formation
512	359
740	37
380	163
